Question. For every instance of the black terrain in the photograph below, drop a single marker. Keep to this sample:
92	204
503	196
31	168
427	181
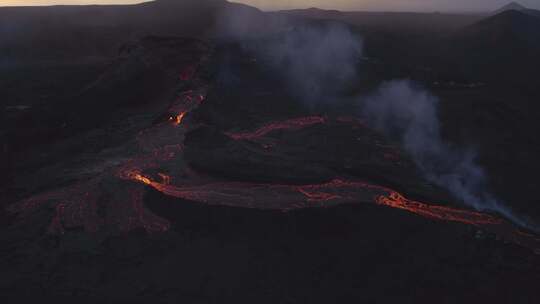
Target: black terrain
152	154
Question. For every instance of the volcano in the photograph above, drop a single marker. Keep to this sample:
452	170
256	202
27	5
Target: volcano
510	6
188	169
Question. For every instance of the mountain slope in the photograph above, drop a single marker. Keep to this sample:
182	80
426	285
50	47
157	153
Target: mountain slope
510	6
501	49
533	12
431	22
60	32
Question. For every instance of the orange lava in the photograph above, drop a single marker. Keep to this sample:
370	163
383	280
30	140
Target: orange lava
177	120
502	228
442	213
165	178
143	179
291	124
317	196
335	192
77	205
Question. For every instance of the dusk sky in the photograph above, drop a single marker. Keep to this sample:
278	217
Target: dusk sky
393	5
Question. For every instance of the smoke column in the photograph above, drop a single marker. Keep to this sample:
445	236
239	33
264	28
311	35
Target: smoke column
306	55
310	56
406	112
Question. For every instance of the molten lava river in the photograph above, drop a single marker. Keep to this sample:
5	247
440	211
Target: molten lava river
114	199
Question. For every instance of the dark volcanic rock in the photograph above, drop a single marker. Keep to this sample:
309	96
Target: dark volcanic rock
210	151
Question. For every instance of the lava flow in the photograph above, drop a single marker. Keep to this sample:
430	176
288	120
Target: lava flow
81	205
78	205
498	226
186	102
336	192
291	124
177	120
442	213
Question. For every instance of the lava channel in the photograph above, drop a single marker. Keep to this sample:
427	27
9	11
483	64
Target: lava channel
336	192
291	124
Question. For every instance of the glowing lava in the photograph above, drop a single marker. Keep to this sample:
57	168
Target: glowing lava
291	124
177	120
143	179
441	213
490	223
165	178
163	152
335	192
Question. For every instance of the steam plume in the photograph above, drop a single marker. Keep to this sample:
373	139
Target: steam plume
309	56
306	55
408	113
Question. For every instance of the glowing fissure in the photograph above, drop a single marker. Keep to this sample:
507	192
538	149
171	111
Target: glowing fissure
77	205
291	124
185	102
336	192
502	228
396	200
177	120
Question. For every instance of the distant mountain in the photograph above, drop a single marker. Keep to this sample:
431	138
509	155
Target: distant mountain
511	28
533	12
75	32
314	12
501	48
509	7
514	6
413	22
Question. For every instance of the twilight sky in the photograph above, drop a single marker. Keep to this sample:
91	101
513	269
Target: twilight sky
393	5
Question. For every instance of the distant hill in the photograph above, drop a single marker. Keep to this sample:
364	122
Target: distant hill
402	21
503	47
510	28
75	32
510	6
514	6
314	13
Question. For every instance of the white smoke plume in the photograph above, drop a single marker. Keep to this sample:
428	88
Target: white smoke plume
406	112
317	61
305	54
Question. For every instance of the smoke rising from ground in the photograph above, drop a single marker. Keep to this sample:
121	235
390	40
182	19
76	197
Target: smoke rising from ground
316	61
406	112
305	55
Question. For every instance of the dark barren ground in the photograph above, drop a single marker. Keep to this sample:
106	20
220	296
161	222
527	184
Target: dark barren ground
167	183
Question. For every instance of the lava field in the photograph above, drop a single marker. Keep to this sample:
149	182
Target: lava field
219	190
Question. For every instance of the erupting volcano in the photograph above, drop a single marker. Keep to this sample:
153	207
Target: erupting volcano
161	166
206	151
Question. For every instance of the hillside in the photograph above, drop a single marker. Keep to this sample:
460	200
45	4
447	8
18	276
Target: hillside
501	45
93	32
513	6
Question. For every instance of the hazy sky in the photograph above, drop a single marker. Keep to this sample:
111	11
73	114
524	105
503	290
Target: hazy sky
407	5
